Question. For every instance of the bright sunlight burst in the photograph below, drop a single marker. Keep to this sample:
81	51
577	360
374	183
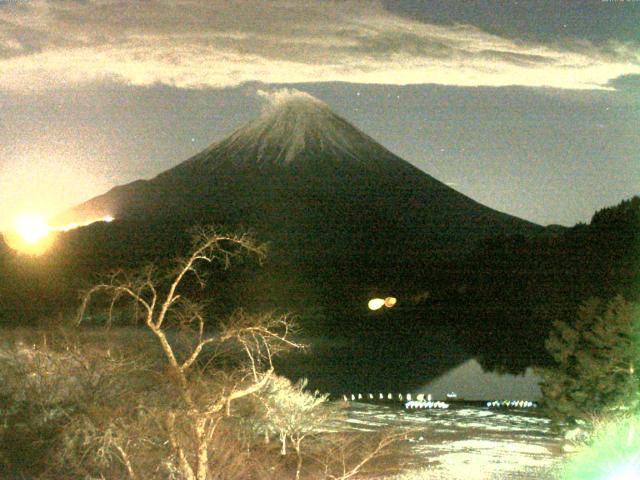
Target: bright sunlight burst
32	228
33	235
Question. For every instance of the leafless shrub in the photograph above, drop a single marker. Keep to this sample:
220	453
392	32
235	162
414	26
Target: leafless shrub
205	397
176	399
47	387
359	455
292	414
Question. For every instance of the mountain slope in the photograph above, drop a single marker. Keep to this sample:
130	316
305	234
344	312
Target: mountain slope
341	212
345	219
300	160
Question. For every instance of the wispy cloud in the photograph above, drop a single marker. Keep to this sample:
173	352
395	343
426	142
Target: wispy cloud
215	43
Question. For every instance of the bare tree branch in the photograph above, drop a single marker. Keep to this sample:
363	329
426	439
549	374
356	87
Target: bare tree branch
196	352
259	337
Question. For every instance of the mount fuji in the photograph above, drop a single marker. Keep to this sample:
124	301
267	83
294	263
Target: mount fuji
336	207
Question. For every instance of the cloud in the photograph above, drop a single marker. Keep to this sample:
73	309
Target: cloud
215	43
275	98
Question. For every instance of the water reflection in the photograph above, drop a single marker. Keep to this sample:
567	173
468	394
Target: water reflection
470	382
378	362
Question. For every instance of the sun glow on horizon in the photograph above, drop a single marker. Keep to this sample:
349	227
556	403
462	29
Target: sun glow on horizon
33	235
32	228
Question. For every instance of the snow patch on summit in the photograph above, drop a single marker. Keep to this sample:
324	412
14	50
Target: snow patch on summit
278	98
294	122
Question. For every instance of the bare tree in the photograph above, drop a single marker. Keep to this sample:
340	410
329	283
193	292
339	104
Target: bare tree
167	404
203	402
62	390
293	414
348	455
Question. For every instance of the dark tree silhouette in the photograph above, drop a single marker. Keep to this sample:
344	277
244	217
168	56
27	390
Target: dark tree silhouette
597	358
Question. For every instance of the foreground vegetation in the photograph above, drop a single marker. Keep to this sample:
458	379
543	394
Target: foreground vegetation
173	397
592	392
185	397
597	360
97	403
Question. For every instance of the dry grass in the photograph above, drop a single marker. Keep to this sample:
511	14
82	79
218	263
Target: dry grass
93	403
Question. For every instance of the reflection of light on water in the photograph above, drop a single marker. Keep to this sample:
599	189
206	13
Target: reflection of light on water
378	303
469	443
471	382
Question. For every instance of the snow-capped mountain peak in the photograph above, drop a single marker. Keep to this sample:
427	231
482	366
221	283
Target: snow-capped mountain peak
292	123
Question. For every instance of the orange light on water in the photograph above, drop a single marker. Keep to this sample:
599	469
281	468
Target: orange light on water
378	303
390	302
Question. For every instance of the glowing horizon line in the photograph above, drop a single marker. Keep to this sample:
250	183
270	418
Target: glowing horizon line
73	226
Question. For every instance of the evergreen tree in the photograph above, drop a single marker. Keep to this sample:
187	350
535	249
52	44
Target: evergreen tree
596	362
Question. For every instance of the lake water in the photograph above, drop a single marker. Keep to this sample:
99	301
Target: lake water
468	380
468	443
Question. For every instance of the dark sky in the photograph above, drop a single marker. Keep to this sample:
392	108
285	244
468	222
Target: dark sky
531	108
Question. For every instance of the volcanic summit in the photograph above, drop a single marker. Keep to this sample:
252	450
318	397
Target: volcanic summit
328	198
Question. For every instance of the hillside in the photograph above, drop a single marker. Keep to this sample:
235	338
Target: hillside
331	201
345	220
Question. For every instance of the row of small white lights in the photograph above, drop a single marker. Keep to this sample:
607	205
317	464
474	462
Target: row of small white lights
381	396
422	404
512	403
